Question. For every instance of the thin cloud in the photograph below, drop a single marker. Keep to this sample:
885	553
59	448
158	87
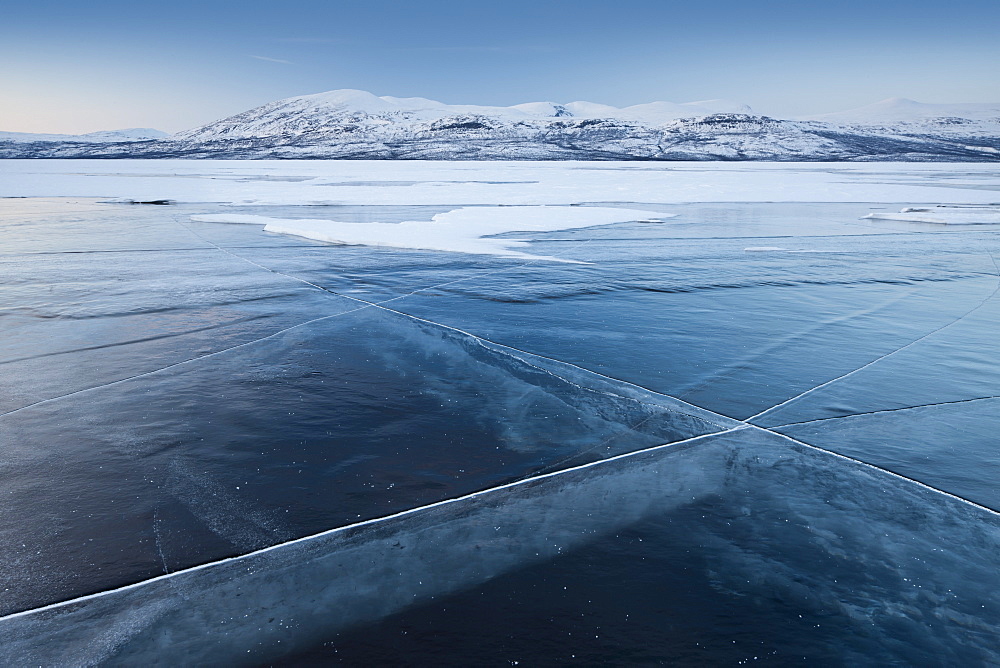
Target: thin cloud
273	60
483	49
309	40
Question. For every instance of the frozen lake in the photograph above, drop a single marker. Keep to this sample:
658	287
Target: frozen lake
181	386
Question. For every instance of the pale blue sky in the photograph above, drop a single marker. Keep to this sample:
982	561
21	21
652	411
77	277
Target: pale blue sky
73	67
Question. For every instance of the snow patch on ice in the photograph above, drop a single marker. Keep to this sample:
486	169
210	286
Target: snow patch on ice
944	215
463	230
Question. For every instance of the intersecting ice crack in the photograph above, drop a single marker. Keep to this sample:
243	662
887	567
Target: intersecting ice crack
508	350
480	493
503	349
742	424
175	364
889	354
365	305
369	522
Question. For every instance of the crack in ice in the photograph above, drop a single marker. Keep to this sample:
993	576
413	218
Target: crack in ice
365	305
889	354
507	350
742	364
174	365
370	522
742	424
873	467
479	339
455	500
129	342
886	410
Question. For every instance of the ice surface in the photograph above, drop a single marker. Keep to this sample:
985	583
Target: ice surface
956	377
460	230
945	215
225	390
342	417
950	445
876	554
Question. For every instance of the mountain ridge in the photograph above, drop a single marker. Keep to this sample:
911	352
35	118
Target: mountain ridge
355	124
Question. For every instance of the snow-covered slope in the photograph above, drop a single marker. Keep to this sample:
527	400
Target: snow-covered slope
357	124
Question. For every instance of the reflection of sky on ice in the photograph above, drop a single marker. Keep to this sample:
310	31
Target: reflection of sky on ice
180	391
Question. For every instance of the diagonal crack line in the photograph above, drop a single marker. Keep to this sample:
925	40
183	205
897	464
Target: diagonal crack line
483	341
554	466
129	342
175	364
873	467
375	521
357	299
454	500
740	424
777	345
886	410
364	305
889	354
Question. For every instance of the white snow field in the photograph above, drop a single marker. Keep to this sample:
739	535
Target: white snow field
460	230
462	183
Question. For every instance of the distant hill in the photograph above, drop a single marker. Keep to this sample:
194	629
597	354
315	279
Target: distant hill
129	134
899	110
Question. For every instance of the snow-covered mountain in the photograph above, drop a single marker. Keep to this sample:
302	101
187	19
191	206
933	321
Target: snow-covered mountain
331	111
353	124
